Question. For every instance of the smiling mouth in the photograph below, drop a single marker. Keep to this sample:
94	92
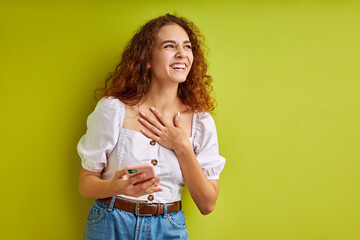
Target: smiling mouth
179	66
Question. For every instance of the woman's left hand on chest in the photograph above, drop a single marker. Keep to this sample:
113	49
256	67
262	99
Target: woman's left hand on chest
170	134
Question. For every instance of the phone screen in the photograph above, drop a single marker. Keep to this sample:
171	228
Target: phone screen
132	171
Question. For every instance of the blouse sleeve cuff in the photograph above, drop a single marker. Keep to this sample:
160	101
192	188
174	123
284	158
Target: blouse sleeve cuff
214	168
92	167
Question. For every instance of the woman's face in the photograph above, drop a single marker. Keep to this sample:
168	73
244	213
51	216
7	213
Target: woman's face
171	55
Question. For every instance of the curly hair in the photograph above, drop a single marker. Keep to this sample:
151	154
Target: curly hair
130	81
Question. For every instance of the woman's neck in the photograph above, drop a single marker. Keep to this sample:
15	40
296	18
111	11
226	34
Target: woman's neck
163	98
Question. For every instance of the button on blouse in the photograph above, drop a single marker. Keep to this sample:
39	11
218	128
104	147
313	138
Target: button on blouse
107	147
151	197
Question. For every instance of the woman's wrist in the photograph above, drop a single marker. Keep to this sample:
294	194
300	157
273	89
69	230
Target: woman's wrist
183	148
113	187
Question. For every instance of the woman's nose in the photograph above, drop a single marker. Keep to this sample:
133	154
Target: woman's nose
180	53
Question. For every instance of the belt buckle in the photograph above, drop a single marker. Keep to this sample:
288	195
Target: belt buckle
137	211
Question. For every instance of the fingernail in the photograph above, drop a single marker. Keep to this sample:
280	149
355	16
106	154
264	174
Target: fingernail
143	175
152	108
178	114
141	119
142	114
142	130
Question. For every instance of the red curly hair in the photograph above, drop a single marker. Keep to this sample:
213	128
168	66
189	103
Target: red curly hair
130	80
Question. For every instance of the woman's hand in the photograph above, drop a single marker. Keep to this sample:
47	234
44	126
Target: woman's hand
168	134
130	187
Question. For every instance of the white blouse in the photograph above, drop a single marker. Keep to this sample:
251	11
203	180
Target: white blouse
107	147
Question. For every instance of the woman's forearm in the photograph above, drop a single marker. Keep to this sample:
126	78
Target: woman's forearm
203	191
92	186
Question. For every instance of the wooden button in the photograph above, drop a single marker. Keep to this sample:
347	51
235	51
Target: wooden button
152	142
154	162
150	197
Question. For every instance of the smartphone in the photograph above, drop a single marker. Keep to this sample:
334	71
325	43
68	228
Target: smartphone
147	168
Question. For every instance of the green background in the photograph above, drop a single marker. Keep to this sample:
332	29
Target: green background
286	76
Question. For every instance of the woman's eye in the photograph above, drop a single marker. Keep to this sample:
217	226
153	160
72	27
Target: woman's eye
169	46
188	46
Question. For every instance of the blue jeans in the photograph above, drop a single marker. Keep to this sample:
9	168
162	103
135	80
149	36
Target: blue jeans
108	223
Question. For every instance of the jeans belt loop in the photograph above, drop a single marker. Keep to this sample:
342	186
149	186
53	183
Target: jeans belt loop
165	210
113	199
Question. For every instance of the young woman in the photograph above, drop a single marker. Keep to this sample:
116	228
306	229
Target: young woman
156	111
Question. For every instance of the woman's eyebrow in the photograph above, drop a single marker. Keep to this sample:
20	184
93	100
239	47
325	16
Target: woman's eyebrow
173	42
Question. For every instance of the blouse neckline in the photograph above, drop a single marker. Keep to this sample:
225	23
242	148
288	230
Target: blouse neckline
193	123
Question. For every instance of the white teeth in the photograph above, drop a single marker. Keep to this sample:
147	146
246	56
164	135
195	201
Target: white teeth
178	66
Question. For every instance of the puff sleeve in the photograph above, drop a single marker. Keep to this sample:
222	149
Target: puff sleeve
102	134
206	146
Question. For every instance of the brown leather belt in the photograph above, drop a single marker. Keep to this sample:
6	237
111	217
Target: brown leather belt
143	209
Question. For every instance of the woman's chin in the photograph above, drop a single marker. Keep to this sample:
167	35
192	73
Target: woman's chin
179	79
171	79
